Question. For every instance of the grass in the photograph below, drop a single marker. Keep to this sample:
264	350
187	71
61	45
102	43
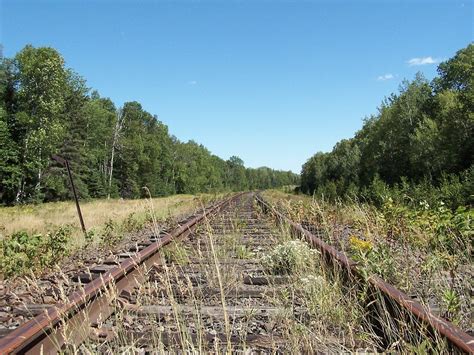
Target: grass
330	321
319	312
42	218
340	312
36	237
425	252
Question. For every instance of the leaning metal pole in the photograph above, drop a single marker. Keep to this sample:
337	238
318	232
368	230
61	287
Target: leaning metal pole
65	162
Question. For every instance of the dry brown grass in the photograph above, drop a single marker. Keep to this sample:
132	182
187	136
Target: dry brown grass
49	216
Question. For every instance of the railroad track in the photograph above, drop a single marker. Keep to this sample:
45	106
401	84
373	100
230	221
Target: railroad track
200	288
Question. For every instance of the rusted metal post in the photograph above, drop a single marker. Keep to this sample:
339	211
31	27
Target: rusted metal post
73	188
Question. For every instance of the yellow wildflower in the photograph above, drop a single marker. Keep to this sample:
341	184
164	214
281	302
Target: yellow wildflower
359	244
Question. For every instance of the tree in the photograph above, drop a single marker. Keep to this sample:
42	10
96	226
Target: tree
455	110
9	170
236	174
55	185
119	121
46	108
418	136
41	81
100	116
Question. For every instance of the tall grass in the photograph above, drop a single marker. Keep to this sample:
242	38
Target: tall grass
425	251
37	237
317	310
43	218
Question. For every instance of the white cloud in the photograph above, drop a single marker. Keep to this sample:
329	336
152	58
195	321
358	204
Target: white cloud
385	77
422	61
192	82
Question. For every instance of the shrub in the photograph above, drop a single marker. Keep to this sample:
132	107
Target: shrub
133	223
111	234
22	252
289	258
56	244
373	259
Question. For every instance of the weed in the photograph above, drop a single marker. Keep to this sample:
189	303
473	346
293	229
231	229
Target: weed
420	246
242	252
451	303
111	233
133	223
57	243
90	235
289	258
373	259
175	253
22	252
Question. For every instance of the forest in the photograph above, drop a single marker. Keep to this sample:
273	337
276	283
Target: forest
418	147
47	109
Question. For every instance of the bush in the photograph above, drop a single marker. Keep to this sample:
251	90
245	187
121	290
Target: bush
22	252
111	234
433	227
133	223
289	258
373	259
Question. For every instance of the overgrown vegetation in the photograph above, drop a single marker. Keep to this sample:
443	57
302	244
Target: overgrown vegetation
337	313
175	253
35	243
314	312
43	218
418	147
24	253
46	108
425	251
398	196
293	256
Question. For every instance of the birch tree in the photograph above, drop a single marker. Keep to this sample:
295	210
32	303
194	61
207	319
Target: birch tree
120	118
41	82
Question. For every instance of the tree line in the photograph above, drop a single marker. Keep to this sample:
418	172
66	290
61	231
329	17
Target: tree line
421	141
47	108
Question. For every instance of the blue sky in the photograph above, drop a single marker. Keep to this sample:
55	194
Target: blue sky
270	81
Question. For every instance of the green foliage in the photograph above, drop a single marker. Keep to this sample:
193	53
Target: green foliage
243	252
420	145
22	252
90	235
57	243
111	234
19	252
289	258
452	304
46	108
133	223
175	253
9	170
444	230
373	259
40	79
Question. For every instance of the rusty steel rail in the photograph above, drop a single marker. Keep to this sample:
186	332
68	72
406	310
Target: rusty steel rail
454	335
70	322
